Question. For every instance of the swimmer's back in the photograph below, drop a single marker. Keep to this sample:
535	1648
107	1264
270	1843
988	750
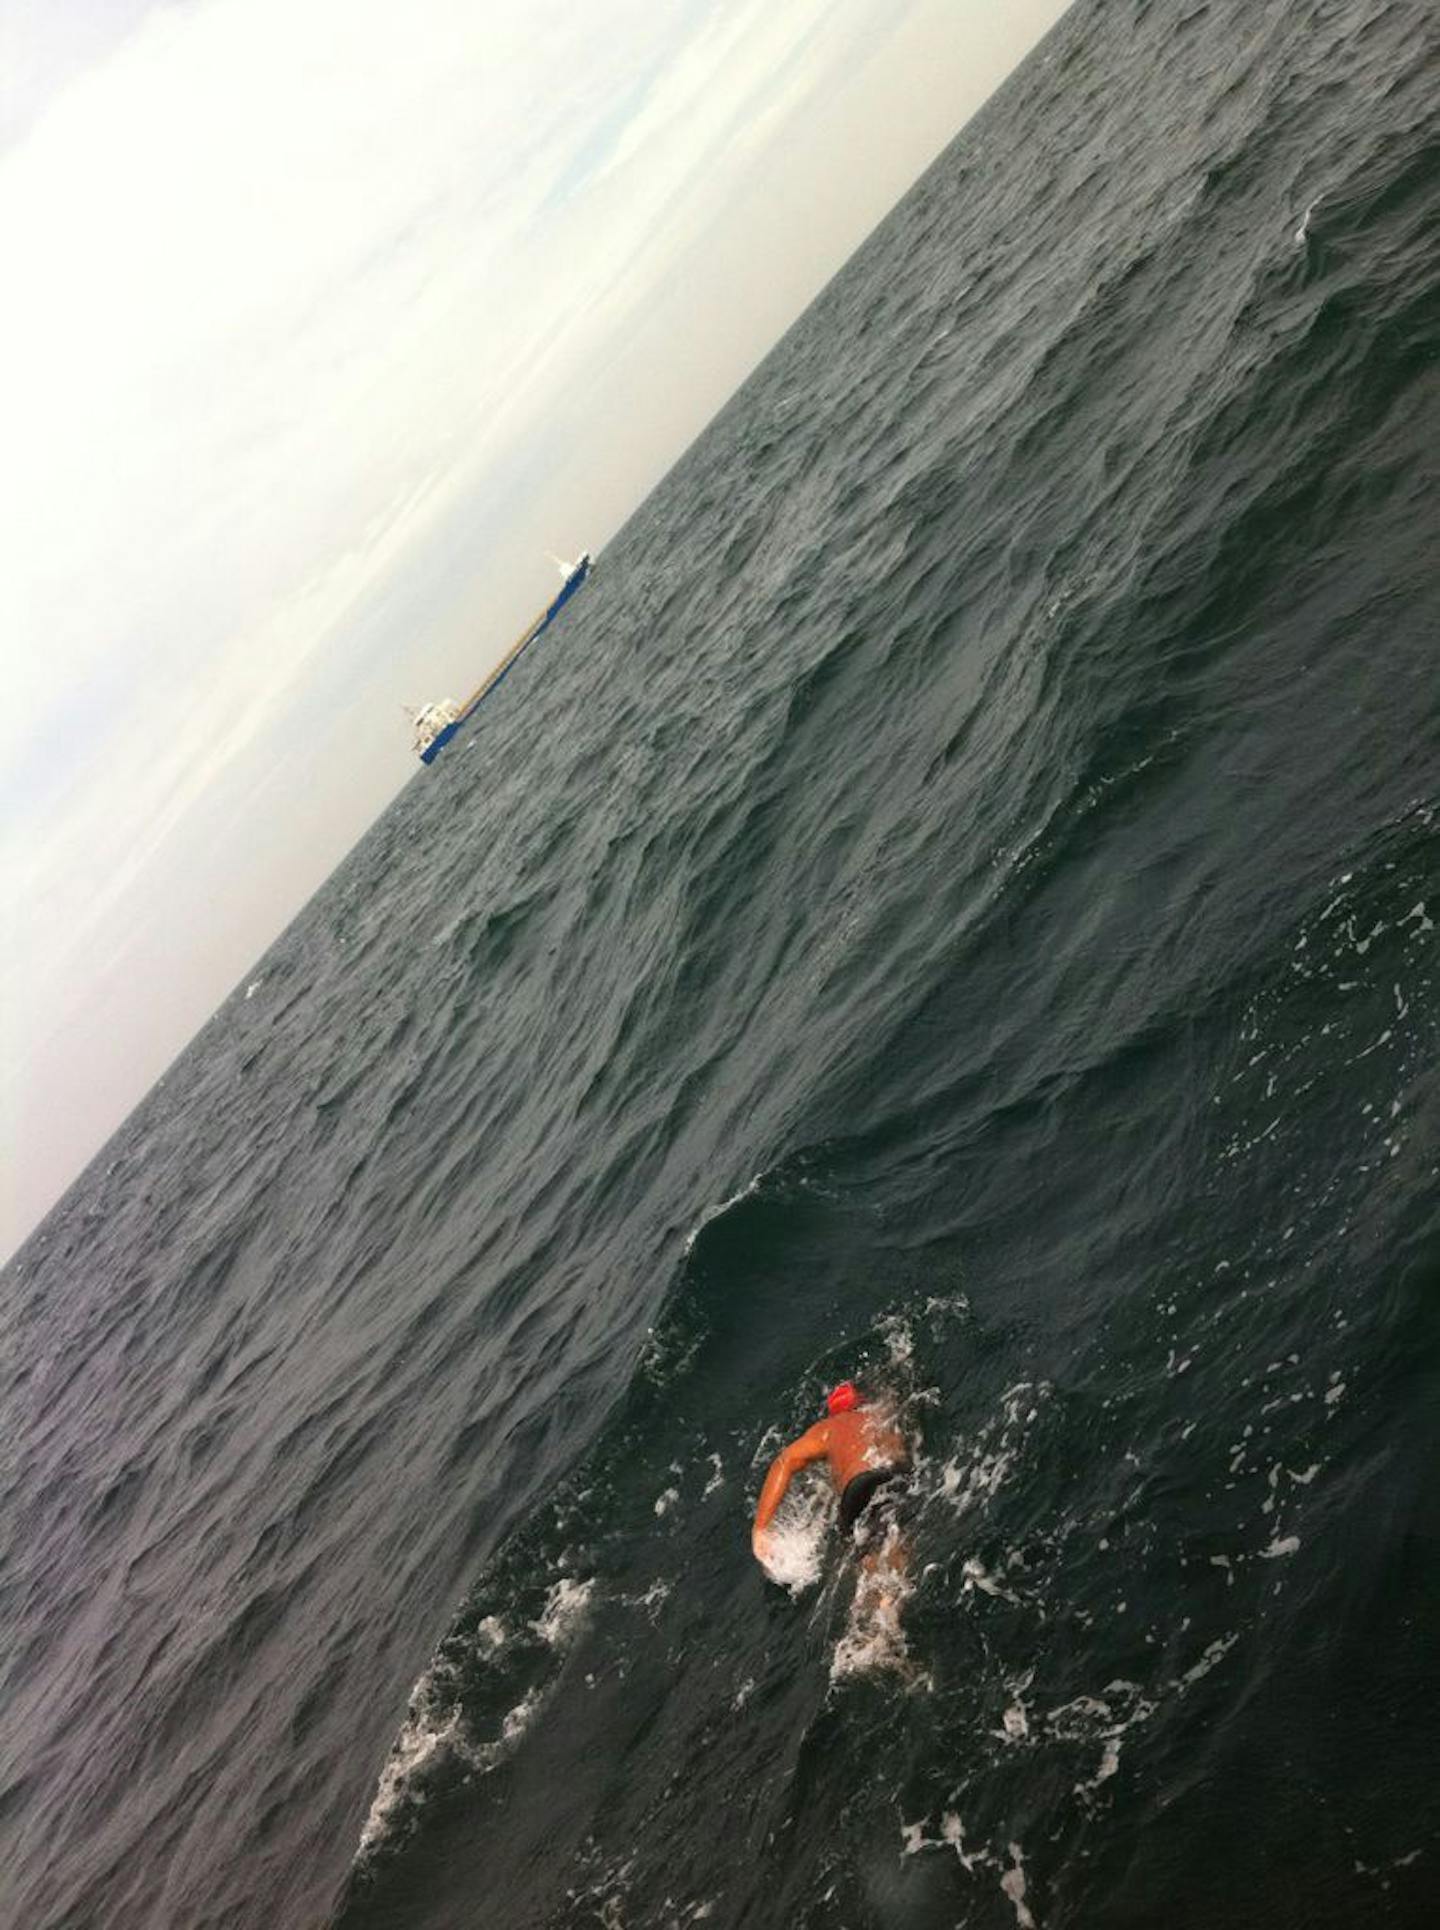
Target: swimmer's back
864	1439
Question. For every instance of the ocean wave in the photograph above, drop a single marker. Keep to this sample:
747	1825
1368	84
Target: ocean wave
439	1739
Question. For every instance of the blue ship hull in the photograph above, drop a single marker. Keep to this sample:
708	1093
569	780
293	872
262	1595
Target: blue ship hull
538	628
438	742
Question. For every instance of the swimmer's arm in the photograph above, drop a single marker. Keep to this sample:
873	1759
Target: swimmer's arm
813	1445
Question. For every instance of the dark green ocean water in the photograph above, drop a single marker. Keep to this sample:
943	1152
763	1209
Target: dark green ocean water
952	902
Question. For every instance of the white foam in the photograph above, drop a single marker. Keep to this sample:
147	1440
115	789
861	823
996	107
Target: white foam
1109	1763
429	1731
1283	1546
517	1720
899	1341
422	1737
873	1641
795	1540
1083	1710
717	1478
951	1837
1095	1717
1212	1657
953	1834
792	1557
1014	1724
564	1607
967	1485
654	1598
941	1305
606	1895
1013	1884
976	1577
665	1502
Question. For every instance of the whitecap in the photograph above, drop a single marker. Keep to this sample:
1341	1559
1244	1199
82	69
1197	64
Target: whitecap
564	1606
422	1738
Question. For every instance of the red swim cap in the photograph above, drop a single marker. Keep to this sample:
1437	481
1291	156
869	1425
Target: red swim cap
843	1398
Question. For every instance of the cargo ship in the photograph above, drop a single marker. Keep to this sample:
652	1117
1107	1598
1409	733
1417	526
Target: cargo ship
435	724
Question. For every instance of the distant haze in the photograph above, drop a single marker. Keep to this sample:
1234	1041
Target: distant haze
322	325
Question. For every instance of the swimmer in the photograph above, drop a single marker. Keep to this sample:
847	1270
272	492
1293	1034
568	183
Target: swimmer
866	1454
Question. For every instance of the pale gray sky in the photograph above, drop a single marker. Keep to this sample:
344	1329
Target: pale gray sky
296	290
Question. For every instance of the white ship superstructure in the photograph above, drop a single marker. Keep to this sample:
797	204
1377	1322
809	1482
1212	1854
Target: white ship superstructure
428	722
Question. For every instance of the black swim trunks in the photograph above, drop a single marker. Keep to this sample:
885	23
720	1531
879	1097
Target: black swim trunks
861	1489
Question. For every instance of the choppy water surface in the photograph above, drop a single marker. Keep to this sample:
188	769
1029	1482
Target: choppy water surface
953	902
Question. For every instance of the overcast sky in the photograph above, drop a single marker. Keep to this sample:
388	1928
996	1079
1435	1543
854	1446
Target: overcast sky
301	301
